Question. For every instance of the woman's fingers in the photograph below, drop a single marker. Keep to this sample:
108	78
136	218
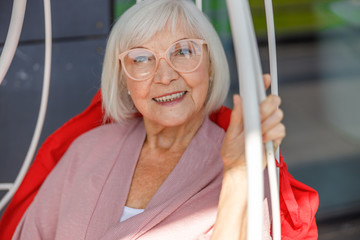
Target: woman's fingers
275	118
275	133
277	143
236	119
232	150
267	80
271	117
269	106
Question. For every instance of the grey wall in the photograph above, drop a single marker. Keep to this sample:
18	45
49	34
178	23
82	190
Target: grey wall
80	30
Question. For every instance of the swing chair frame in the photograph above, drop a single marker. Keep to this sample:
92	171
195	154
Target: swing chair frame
251	89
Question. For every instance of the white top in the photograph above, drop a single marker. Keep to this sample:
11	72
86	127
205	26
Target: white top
129	212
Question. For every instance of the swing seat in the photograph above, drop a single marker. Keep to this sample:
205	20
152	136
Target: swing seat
298	202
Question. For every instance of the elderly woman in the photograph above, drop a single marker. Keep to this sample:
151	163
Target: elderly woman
161	169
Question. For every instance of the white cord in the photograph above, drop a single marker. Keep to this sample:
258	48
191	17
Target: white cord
253	137
42	111
13	36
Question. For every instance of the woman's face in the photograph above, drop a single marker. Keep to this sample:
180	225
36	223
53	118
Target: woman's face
188	90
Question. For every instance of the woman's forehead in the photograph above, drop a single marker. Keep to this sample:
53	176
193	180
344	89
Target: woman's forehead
163	39
165	36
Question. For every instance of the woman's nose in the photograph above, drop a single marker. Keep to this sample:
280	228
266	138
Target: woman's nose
165	73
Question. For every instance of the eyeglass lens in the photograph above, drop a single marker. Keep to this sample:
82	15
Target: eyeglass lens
184	56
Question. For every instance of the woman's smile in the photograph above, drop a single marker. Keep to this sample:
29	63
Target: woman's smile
170	98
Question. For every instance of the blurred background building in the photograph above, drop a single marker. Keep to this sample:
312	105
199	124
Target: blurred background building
318	46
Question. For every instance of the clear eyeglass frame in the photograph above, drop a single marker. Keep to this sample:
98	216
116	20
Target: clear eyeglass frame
162	55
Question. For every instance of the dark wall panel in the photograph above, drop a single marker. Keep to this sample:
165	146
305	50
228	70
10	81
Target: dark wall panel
70	18
75	77
80	29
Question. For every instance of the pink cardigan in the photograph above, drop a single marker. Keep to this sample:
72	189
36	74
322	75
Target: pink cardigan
84	196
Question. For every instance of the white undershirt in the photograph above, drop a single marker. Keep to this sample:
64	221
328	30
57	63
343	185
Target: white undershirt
129	212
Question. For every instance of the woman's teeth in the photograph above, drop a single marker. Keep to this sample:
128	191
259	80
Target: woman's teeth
170	98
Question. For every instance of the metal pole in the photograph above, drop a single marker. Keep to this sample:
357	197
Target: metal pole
13	36
270	156
253	136
199	4
273	174
42	111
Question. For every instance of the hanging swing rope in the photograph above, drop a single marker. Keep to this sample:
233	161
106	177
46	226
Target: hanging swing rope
42	112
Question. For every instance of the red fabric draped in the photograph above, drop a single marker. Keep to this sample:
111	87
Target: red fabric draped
298	206
298	202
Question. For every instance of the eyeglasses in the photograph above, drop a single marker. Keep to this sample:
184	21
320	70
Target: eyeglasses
183	56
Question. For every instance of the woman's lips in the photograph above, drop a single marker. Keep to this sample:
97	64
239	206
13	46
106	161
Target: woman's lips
170	97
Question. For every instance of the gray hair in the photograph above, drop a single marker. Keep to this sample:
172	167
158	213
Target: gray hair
137	26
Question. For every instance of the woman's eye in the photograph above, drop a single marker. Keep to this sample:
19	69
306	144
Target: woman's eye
141	59
184	51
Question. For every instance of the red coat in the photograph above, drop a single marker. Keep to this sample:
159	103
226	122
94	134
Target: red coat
298	202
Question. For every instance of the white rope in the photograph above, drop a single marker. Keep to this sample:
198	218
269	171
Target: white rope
13	36
42	111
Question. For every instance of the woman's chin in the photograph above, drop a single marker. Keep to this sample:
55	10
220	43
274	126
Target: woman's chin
171	122
177	120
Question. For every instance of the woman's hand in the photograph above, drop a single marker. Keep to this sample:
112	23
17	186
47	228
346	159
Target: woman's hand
233	149
231	218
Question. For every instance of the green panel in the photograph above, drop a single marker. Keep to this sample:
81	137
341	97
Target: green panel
120	6
291	16
294	17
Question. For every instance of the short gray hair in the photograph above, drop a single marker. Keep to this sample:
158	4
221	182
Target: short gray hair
138	25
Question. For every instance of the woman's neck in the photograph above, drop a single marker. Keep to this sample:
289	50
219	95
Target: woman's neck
175	138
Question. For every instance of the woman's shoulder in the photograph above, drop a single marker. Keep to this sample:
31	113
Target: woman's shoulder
95	147
106	134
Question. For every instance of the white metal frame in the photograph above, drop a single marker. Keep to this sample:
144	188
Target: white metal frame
6	58
253	92
13	36
251	89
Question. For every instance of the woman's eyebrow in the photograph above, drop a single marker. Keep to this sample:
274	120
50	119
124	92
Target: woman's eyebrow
150	49
139	47
180	39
